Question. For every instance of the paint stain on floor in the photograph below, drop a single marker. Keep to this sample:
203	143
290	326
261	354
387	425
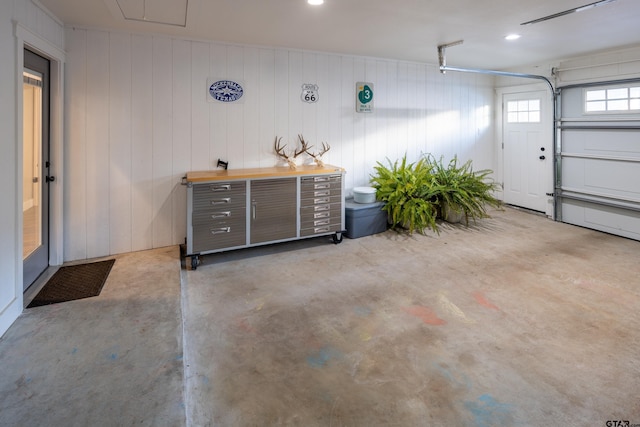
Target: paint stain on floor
458	380
365	336
425	314
111	353
362	311
258	303
483	301
487	411
244	325
449	307
320	358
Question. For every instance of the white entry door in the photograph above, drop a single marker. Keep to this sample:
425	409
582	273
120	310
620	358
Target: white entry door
528	150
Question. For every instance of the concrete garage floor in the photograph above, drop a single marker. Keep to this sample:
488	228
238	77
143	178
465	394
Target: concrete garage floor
112	360
518	321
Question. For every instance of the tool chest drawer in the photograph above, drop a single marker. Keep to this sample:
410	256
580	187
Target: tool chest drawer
223	196
320	204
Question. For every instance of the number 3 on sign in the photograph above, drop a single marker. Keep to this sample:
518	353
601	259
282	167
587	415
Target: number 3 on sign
364	97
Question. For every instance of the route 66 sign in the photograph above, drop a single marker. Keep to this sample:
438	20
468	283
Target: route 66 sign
309	93
364	97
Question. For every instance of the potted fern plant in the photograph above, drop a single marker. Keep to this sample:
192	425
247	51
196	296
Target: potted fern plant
461	192
409	198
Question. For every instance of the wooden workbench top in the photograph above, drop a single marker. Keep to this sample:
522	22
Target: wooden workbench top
279	171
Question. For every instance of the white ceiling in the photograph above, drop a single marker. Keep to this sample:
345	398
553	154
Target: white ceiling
396	29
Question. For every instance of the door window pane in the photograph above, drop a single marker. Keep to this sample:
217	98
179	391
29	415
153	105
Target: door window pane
32	159
523	111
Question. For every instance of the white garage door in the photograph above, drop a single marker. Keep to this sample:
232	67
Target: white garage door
598	163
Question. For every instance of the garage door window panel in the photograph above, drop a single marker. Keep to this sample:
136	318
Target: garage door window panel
613	100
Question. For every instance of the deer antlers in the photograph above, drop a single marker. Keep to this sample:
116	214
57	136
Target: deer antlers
291	159
317	157
305	148
302	150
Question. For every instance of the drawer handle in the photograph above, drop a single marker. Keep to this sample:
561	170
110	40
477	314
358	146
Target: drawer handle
320	179
321	208
322	222
321	215
321	186
221	214
321	193
221	230
221	201
321	230
225	187
318	201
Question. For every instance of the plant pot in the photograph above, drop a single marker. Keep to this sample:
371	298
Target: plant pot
451	215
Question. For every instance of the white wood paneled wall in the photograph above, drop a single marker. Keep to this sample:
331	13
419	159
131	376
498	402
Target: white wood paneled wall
138	119
33	16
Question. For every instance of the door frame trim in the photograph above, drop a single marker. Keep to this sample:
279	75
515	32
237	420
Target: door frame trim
27	39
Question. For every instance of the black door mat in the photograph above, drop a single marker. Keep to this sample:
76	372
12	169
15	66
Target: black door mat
74	282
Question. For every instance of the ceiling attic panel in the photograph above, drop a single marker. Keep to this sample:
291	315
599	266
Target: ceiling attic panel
170	12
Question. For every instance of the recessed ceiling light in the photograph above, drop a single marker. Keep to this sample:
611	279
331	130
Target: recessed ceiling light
315	2
512	37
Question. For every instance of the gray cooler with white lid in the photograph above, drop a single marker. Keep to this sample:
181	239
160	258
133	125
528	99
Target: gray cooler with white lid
364	219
